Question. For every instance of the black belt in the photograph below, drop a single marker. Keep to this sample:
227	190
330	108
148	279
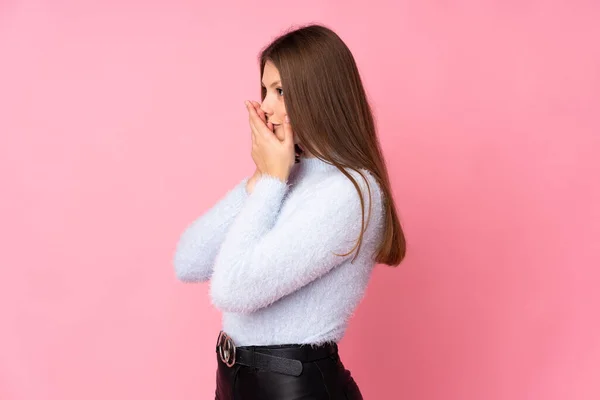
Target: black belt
284	359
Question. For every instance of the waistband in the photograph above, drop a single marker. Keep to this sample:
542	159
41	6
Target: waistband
300	352
283	358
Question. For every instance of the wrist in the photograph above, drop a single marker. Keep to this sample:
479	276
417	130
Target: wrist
281	175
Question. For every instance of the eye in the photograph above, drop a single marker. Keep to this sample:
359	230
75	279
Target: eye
280	91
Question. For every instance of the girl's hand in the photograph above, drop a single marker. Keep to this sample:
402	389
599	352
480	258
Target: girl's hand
271	155
257	173
262	115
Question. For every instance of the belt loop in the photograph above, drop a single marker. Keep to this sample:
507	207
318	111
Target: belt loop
253	360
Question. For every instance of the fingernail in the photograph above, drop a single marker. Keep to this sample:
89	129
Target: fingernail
246	102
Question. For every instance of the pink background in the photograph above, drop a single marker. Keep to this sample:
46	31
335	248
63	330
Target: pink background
122	121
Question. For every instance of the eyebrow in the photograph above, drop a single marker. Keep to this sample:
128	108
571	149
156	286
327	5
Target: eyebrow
272	84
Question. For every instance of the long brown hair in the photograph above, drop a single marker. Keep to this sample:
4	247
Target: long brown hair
328	109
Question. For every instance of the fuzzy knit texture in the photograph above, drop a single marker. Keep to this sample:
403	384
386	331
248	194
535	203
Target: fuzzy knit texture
269	255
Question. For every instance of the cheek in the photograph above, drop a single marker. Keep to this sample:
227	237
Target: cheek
281	109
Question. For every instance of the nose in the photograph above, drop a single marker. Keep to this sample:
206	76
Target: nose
266	108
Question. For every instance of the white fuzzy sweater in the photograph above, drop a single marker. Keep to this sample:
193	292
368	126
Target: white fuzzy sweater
269	255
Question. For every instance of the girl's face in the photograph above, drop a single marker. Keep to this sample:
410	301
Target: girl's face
273	105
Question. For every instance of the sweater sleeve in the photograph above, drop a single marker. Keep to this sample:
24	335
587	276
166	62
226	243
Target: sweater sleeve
199	243
262	261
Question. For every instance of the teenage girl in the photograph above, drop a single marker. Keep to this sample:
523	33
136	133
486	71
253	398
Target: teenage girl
289	251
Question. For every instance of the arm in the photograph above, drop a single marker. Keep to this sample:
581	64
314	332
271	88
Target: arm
198	245
262	261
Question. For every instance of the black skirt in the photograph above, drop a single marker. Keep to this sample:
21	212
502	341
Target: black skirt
324	377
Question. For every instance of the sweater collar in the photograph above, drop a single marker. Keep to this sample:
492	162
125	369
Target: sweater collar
314	164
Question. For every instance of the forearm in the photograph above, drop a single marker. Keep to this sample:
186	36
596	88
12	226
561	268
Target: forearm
234	263
200	242
263	259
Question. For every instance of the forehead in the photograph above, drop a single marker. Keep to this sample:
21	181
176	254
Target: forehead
270	73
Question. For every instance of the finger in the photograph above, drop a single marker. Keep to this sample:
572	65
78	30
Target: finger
249	108
254	141
253	128
253	116
252	108
263	118
259	111
261	129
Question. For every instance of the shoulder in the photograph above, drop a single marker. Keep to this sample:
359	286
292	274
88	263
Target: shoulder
341	199
339	188
363	177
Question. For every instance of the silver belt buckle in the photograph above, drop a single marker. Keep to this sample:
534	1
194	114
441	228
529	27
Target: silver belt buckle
226	349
